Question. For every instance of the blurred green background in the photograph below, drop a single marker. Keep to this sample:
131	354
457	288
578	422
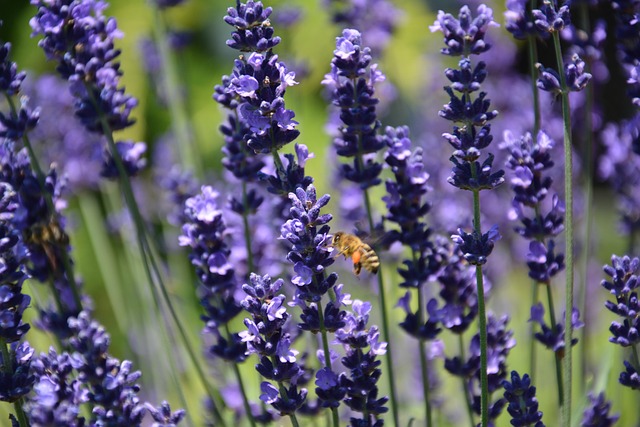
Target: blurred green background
410	63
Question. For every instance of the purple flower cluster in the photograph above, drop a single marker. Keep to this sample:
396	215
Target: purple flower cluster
308	232
522	402
351	84
596	413
530	163
407	207
16	379
552	337
519	21
377	20
362	346
464	36
89	375
259	80
204	232
623	284
266	336
81	39
499	343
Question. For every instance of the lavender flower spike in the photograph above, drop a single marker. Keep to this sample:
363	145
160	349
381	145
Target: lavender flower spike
523	405
351	82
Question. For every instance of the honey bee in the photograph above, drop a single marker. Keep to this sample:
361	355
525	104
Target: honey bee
48	237
361	253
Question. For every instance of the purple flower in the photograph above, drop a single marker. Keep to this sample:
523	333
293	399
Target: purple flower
476	248
204	231
10	78
361	382
523	405
465	35
164	417
548	19
58	391
376	19
552	337
308	233
576	78
253	31
596	414
351	82
111	383
93	71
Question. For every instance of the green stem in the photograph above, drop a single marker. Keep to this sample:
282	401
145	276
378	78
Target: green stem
568	189
482	316
424	363
20	414
327	357
236	371
532	341
148	257
175	98
557	357
465	391
588	183
247	231
385	322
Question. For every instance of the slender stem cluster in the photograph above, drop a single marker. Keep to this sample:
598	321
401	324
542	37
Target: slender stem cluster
464	37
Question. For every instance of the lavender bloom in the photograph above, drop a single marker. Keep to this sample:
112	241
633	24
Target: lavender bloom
16	377
621	169
81	40
351	82
58	393
310	254
375	19
596	414
204	232
411	325
266	336
164	417
476	248
10	78
407	208
259	81
458	292
131	155
253	32
548	19
623	285
12	271
111	383
364	371
523	405
576	78
531	183
627	30
499	343
519	21
464	36
552	337
59	137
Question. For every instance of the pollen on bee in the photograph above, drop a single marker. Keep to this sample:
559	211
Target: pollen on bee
356	257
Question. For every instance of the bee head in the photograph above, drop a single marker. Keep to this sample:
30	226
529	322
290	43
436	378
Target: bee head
336	238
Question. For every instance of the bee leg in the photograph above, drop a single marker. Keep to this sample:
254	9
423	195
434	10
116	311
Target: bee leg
357	267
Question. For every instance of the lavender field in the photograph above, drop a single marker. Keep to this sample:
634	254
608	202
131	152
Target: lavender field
319	213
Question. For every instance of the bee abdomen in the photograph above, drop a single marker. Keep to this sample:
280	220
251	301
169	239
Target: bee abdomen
371	262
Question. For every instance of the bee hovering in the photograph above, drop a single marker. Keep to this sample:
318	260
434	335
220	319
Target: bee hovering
361	253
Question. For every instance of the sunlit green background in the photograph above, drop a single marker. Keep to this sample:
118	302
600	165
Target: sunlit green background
409	62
